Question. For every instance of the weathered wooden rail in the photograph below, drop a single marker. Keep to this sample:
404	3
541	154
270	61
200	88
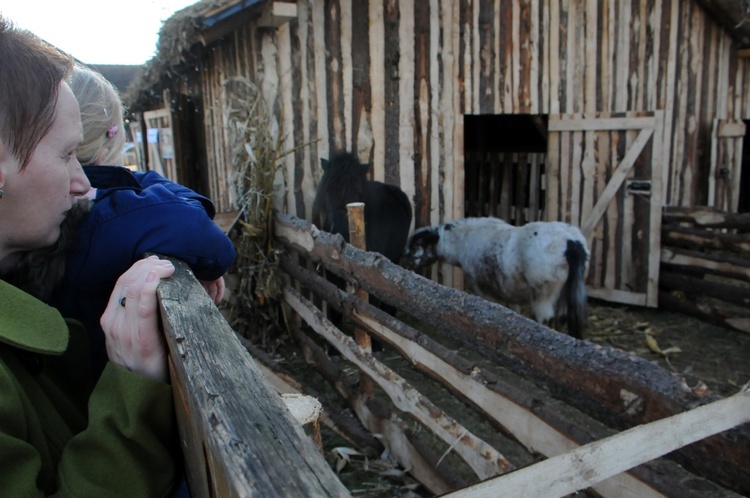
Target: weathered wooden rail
705	254
239	438
618	389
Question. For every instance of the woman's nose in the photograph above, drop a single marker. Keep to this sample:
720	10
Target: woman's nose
79	182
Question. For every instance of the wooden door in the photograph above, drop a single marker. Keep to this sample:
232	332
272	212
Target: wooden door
139	141
726	164
159	142
604	175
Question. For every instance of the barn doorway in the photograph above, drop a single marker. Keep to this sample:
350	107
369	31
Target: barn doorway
504	164
743	205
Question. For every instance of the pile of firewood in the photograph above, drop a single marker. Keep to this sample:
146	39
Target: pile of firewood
705	265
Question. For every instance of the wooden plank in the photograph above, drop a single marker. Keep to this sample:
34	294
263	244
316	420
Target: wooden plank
674	281
718	315
437	160
378	418
572	151
235	426
553	59
576	123
706	216
596	461
541	426
481	457
626	273
583	169
607	156
406	99
670	87
617	296
713	164
735	129
534	62
536	160
655	212
320	83
377	74
529	429
706	240
588	376
733	267
587	227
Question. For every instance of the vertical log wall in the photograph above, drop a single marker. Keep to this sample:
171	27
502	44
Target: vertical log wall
392	81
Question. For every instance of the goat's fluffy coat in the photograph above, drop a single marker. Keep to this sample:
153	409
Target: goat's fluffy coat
541	263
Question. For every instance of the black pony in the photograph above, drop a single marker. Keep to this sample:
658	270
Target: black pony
387	209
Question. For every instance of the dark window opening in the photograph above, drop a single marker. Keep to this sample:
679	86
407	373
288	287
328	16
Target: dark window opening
743	205
504	160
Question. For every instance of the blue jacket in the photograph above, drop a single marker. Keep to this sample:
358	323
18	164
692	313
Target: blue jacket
131	215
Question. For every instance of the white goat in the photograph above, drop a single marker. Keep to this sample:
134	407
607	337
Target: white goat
541	263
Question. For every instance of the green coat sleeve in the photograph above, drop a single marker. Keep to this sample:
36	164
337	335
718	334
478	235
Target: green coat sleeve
128	447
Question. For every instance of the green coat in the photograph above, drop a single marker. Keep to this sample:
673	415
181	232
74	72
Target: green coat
51	443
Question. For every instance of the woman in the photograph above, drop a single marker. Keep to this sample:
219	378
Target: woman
131	214
60	433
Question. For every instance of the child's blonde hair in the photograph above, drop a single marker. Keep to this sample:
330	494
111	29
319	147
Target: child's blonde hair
101	117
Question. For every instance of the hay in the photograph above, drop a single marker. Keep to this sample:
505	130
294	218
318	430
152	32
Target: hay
255	145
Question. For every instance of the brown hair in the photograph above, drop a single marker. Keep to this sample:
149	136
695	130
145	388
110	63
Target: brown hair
30	74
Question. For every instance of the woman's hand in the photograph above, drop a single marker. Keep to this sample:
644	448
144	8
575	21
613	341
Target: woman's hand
130	322
215	288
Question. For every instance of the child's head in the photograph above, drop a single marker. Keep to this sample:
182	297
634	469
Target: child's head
101	117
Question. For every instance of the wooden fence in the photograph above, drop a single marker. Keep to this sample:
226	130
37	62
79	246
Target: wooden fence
619	390
705	270
239	438
506	185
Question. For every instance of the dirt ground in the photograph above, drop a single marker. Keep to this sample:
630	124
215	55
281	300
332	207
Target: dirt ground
702	353
699	351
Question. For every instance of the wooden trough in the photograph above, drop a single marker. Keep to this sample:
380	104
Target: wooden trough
241	440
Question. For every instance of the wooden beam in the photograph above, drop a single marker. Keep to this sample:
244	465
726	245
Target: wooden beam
590	377
560	123
587	465
481	457
234	426
615	182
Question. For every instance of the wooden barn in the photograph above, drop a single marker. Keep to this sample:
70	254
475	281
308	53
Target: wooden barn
596	113
624	118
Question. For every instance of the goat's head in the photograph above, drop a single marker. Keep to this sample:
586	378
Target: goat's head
421	248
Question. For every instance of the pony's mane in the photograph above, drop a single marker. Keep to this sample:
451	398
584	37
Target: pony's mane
344	180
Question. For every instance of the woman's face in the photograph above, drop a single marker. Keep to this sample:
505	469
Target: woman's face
36	199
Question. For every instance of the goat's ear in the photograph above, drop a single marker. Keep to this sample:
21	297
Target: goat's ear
432	237
324	164
425	237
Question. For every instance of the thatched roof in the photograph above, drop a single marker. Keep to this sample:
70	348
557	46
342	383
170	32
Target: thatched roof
180	40
184	34
733	15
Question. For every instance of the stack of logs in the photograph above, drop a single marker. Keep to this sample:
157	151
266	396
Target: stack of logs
705	265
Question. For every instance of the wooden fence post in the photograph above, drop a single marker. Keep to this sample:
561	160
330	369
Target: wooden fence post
357	237
238	437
